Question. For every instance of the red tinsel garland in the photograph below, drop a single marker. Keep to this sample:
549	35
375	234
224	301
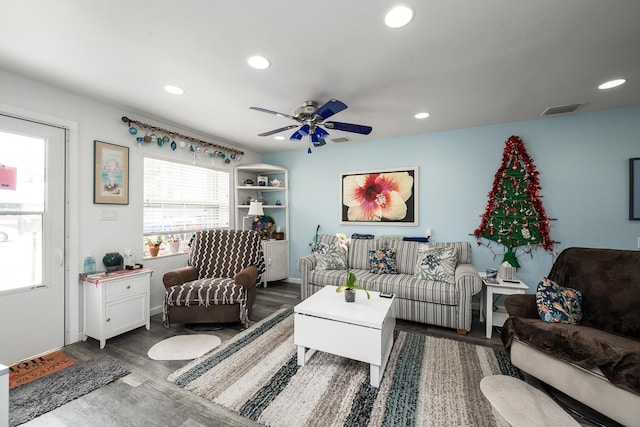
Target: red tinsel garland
515	150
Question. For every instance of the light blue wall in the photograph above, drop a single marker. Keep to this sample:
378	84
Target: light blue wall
583	165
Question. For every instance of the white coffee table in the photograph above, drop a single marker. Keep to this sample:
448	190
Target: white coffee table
361	330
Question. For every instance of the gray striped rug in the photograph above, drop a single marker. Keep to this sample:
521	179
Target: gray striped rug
428	381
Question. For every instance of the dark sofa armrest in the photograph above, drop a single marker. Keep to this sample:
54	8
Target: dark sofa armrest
247	277
522	305
179	276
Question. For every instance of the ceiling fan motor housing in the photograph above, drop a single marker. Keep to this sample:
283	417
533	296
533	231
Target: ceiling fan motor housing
307	110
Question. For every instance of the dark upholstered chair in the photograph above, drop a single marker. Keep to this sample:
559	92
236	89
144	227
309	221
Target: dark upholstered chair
219	283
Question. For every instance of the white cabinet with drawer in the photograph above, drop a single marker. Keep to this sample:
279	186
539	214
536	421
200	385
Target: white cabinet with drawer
115	303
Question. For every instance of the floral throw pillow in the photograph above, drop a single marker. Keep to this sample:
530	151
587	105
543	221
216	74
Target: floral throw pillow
557	304
328	256
383	261
437	263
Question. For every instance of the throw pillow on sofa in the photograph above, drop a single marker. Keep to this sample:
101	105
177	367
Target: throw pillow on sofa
557	304
383	261
328	256
437	263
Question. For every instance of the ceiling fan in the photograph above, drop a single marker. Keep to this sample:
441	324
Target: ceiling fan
309	117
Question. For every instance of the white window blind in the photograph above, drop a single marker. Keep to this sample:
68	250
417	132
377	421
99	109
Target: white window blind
180	198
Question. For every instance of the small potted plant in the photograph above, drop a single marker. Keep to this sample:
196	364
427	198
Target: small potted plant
350	286
154	244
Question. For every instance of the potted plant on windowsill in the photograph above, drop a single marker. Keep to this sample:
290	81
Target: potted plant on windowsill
349	286
154	244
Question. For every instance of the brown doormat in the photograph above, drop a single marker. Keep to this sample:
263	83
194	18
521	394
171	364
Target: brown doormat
38	367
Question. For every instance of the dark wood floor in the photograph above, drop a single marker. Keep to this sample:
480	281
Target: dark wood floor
146	398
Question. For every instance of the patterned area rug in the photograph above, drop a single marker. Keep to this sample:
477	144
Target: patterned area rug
428	381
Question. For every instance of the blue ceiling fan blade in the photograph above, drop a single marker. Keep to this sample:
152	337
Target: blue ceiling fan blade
349	127
330	108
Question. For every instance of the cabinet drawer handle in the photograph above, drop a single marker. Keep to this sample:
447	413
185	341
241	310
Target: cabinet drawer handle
109	320
128	286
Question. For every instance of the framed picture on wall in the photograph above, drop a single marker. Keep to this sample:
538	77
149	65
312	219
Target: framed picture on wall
634	189
379	197
110	173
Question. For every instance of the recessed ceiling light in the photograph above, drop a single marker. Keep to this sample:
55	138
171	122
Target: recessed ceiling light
258	62
398	17
612	83
422	115
279	138
174	89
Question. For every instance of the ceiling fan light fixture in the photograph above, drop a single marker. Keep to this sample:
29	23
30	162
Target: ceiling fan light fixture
422	115
398	17
258	62
611	84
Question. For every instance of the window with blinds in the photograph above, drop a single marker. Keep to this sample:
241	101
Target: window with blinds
180	199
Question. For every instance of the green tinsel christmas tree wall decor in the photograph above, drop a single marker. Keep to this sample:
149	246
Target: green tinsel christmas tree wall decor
514	215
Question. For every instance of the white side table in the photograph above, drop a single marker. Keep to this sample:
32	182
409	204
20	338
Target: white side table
498	317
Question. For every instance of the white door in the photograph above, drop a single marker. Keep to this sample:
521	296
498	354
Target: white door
32	239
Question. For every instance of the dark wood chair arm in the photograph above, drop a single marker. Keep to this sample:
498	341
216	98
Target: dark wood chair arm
522	305
179	276
247	277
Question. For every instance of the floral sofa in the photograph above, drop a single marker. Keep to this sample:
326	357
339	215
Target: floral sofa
435	298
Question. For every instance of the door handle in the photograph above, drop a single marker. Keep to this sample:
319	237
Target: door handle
60	257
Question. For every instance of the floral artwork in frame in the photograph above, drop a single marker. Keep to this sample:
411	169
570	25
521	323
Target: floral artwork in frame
110	174
379	197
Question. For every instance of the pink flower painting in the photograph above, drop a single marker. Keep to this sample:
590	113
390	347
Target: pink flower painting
377	197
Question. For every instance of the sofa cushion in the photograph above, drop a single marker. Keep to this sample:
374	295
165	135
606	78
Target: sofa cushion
617	357
436	263
557	304
329	256
383	261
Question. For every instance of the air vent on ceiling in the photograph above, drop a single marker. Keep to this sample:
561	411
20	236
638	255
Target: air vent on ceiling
561	109
339	140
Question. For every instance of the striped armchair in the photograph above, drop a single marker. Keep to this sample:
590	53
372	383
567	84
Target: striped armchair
219	283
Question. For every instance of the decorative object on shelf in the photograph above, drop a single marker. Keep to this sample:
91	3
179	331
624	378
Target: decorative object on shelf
174	244
380	197
264	225
197	146
154	245
278	202
350	285
507	271
255	210
262	181
112	261
275	182
514	215
248	182
89	264
492	273
110	174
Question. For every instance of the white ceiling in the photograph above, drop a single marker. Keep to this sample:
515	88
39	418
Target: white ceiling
467	62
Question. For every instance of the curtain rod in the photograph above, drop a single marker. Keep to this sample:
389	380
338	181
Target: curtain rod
172	134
